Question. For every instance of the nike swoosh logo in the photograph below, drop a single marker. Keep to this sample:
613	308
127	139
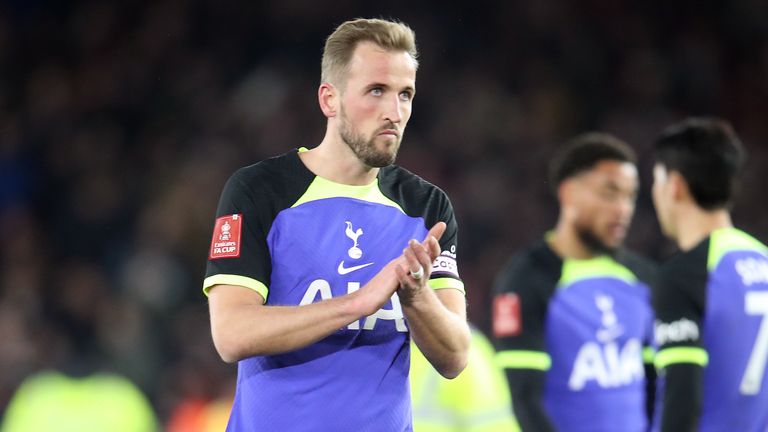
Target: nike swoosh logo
346	270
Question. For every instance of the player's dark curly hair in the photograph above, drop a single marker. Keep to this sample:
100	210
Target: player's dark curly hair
709	156
584	152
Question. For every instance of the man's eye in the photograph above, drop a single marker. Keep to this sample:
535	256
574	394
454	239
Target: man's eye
609	195
406	96
376	92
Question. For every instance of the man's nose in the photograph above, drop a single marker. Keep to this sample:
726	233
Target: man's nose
625	207
394	109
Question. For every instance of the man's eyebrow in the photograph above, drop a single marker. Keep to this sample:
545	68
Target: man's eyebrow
376	84
615	186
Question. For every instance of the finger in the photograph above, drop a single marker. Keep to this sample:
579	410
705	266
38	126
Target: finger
436	231
403	277
433	248
421	254
401	261
431	242
411	259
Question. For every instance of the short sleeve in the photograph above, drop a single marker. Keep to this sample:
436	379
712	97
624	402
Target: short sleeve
678	299
239	254
521	294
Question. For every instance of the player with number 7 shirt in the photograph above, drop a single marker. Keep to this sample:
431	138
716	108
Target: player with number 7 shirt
711	300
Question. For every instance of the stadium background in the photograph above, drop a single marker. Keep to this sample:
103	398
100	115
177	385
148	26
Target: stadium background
120	122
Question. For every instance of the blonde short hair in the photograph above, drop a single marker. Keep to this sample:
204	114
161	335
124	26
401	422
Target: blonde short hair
340	45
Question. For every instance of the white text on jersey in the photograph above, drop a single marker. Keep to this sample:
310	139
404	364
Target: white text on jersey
323	288
607	365
682	330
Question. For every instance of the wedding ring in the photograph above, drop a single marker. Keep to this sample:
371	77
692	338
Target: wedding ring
418	274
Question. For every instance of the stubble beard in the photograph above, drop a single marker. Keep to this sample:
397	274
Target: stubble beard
366	150
593	242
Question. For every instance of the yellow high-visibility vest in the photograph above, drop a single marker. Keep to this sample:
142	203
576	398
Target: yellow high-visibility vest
51	401
478	400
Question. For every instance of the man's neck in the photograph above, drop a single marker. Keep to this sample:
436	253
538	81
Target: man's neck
695	224
335	161
566	243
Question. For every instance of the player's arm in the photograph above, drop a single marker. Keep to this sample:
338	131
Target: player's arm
526	386
436	319
518	322
681	358
649	352
242	326
682	397
647	271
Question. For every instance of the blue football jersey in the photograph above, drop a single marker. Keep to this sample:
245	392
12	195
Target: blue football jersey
298	239
712	311
587	324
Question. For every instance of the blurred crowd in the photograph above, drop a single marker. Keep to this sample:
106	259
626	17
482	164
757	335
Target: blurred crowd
121	121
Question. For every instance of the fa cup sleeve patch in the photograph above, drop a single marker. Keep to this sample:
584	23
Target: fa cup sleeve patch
506	315
226	237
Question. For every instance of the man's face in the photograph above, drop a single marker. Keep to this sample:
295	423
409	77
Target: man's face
604	204
662	201
376	102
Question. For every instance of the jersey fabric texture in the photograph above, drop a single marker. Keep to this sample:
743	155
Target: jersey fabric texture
301	239
712	311
585	323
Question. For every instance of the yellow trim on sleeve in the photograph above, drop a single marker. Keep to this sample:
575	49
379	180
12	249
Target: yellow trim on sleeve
442	283
677	355
243	281
649	354
523	360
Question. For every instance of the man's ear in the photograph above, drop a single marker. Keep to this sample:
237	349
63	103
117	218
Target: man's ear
566	191
328	96
680	189
566	195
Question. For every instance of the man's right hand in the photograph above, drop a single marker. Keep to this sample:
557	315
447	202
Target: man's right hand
378	291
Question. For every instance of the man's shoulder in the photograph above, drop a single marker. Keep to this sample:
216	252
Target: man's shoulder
280	167
685	271
279	180
537	257
536	264
397	176
644	268
415	195
687	262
